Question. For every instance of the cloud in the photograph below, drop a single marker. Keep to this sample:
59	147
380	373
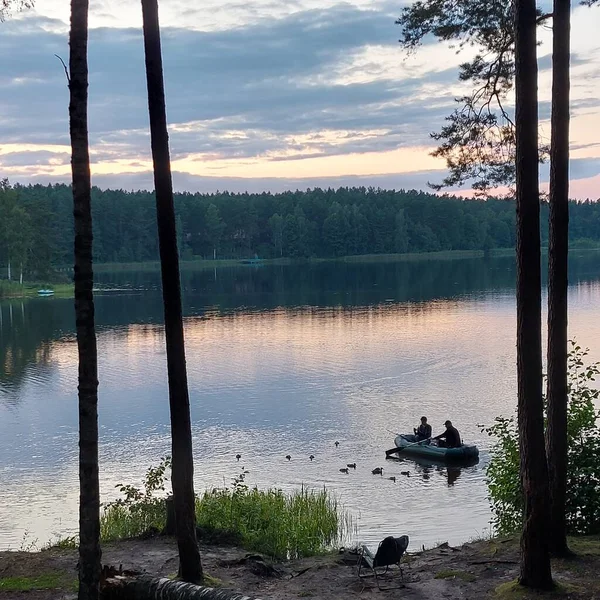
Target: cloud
35	157
274	82
183	181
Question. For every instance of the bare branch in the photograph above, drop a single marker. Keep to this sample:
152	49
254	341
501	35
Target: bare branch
543	18
65	68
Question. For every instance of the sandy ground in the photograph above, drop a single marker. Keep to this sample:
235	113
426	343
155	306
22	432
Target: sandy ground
472	571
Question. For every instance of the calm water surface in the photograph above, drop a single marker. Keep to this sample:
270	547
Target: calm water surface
281	360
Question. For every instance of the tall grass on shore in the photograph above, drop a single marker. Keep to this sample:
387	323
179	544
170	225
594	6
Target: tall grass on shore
121	522
281	525
303	523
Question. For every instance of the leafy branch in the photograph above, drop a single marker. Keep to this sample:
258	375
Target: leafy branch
478	140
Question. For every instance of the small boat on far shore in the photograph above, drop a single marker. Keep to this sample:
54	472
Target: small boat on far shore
407	445
45	292
252	261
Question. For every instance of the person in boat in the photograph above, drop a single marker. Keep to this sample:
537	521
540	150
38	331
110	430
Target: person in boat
423	431
450	438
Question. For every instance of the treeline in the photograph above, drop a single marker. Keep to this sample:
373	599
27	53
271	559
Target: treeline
37	224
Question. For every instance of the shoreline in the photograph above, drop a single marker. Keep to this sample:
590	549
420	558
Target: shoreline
65	290
199	263
476	570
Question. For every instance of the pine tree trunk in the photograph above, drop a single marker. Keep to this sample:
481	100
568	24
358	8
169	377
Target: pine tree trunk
181	435
535	559
9	273
556	440
89	496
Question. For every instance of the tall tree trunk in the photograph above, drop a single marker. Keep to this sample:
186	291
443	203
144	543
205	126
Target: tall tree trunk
89	496
190	566
556	435
535	559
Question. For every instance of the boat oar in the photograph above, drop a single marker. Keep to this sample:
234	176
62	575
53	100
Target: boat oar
397	450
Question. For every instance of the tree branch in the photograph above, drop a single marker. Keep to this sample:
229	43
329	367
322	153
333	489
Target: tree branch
65	68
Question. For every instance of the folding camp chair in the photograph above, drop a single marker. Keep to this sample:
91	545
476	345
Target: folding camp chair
389	552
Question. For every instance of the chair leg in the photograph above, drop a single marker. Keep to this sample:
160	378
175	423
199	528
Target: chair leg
378	574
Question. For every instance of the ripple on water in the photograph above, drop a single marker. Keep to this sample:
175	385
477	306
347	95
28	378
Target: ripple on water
268	384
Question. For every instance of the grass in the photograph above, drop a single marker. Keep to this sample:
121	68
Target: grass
462	575
70	542
585	545
440	255
13	289
43	581
513	591
199	263
124	522
303	523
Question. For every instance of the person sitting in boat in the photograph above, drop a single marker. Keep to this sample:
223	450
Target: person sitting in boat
450	438
423	431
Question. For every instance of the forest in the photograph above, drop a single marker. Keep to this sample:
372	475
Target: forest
36	231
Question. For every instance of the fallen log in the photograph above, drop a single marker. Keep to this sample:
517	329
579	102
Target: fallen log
145	587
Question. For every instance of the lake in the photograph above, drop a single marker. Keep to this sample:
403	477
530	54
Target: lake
281	360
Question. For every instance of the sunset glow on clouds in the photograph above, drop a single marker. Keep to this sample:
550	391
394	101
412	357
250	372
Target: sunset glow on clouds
260	95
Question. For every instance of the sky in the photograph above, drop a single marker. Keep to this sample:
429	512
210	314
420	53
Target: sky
261	95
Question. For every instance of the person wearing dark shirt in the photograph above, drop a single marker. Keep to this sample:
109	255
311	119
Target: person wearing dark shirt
423	431
450	438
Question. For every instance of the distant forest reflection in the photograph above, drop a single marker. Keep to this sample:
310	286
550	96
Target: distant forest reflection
28	329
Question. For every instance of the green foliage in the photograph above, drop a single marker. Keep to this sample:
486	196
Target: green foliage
478	139
70	542
314	223
140	510
43	581
506	495
583	478
10	288
450	574
302	523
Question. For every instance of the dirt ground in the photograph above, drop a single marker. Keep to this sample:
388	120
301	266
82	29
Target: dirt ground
472	571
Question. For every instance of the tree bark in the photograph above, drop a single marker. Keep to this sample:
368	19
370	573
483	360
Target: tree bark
144	586
89	496
556	434
535	559
181	435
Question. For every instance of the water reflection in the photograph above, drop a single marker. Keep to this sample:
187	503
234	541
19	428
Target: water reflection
281	361
426	467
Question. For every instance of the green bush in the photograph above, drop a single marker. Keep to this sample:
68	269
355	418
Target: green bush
583	475
302	523
139	510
